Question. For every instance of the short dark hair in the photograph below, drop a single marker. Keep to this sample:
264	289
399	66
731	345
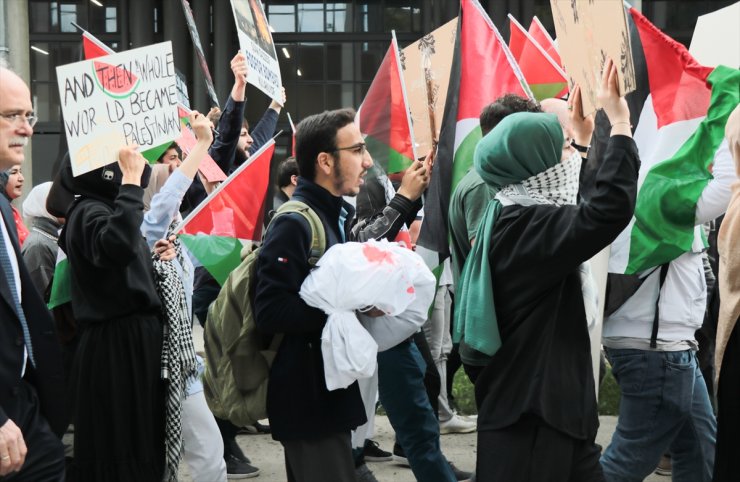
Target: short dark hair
171	146
507	104
316	134
286	170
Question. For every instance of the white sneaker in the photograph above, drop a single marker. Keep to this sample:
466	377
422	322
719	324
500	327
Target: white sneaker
457	425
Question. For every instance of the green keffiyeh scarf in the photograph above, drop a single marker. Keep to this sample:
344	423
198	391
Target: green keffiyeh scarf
518	148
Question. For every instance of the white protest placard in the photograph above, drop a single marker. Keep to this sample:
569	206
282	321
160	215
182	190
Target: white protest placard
118	100
255	40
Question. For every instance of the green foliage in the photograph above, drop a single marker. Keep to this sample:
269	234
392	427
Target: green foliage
463	391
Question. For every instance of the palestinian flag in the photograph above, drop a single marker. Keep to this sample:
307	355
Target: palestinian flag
61	283
679	111
217	229
383	118
483	69
94	48
544	76
542	37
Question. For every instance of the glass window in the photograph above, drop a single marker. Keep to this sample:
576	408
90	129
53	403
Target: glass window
311	17
281	17
311	61
338	17
43	72
311	100
46	101
340	61
397	18
70	12
40	14
340	95
370	55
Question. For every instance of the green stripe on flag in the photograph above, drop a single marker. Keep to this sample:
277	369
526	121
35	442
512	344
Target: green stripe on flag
666	204
464	156
547	91
220	255
60	285
389	159
153	154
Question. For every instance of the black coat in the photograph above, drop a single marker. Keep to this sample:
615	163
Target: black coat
544	364
47	377
298	402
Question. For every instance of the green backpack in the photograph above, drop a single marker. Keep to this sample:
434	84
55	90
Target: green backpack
238	356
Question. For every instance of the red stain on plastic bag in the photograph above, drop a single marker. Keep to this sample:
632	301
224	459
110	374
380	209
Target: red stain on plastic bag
376	255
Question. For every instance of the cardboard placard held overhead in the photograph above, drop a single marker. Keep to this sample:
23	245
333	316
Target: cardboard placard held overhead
589	33
118	100
426	67
255	40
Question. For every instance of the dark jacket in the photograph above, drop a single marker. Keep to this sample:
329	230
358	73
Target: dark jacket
298	402
110	262
40	252
223	150
544	364
47	377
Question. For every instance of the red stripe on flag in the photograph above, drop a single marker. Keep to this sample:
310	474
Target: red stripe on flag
236	208
677	81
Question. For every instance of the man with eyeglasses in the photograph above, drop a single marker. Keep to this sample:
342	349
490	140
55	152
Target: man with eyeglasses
312	423
31	379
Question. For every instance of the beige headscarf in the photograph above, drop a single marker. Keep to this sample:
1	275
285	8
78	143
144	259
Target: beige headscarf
728	244
160	173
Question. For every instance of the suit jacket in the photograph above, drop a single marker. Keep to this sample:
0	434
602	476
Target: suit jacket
48	376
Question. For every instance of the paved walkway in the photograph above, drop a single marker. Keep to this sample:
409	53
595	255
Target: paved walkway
267	454
460	449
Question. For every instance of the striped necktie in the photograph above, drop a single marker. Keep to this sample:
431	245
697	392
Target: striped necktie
8	270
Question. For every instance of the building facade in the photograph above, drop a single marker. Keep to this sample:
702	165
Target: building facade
329	51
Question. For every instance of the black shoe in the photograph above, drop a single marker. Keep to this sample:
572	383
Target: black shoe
460	474
363	474
255	429
232	448
238	469
399	456
373	453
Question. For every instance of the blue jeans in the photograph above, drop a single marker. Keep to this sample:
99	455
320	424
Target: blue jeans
402	393
664	406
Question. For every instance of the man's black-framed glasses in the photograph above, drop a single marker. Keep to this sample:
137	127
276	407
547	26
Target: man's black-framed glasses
360	149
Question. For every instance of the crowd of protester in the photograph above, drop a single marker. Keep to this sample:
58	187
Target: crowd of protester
118	362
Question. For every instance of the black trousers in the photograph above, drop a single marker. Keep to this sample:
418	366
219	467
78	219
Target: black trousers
325	459
45	457
728	416
532	451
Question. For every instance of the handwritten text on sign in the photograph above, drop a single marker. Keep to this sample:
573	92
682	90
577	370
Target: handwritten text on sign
121	99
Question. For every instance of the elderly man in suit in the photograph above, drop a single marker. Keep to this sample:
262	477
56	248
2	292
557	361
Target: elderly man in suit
32	400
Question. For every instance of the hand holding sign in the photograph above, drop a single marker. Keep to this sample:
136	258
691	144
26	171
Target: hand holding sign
132	164
202	127
240	69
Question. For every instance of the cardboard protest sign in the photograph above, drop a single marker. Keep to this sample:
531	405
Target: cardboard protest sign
122	99
195	37
256	42
426	73
589	33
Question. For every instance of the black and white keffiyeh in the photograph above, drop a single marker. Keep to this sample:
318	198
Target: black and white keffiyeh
178	352
557	185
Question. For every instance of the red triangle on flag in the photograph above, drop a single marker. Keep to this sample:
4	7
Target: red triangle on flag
235	209
544	76
94	48
542	37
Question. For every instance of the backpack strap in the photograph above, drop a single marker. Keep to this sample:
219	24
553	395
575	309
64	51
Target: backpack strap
654	334
318	235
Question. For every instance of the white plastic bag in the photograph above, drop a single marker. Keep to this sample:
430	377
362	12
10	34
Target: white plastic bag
355	276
